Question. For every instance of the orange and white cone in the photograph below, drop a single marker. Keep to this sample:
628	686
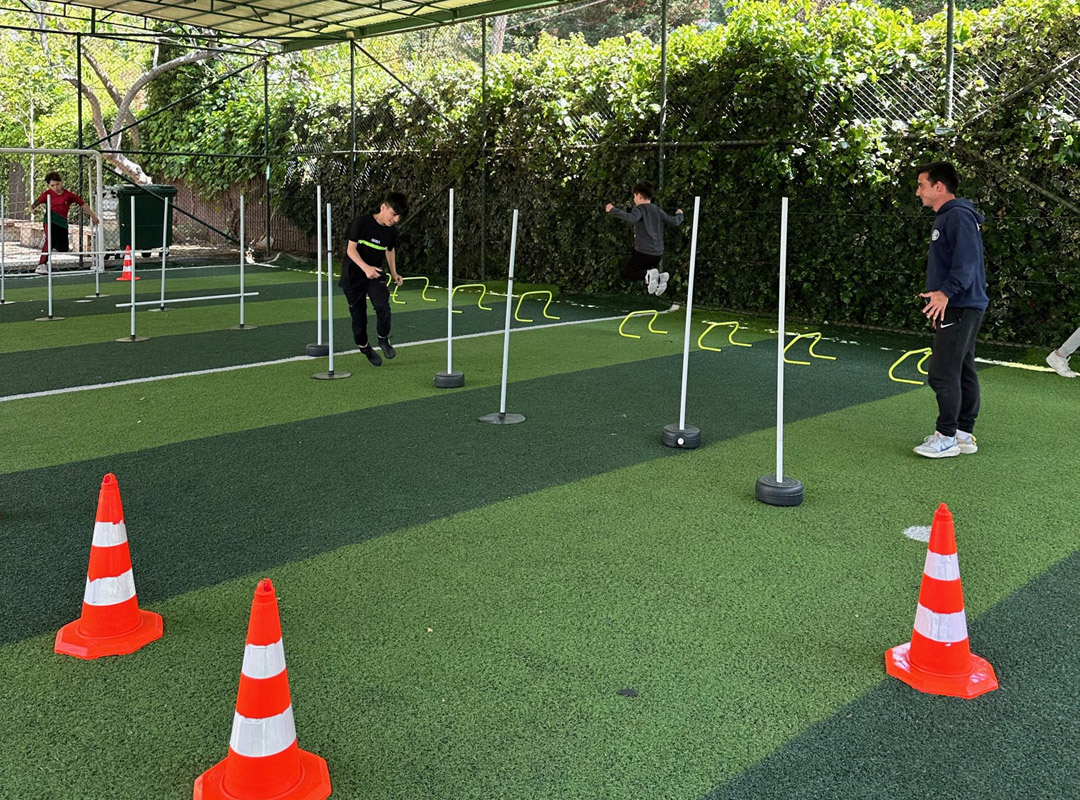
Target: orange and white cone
264	761
129	267
938	659
112	623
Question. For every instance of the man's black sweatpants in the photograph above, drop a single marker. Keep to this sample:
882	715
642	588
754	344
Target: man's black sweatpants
357	294
952	372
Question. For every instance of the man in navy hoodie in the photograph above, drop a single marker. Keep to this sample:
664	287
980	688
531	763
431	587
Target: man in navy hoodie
956	302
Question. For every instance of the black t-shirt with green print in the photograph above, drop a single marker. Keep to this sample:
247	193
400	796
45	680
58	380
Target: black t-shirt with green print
372	243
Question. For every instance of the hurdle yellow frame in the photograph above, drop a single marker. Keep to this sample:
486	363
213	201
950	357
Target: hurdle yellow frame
816	336
652	319
479	303
423	291
926	351
734	329
523	295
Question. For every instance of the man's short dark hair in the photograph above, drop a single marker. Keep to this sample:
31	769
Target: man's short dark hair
645	189
941	172
398	202
53	176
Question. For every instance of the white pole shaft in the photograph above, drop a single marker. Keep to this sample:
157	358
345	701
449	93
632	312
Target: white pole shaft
329	289
242	260
780	343
318	259
509	302
450	294
164	245
689	317
3	243
131	219
48	244
99	238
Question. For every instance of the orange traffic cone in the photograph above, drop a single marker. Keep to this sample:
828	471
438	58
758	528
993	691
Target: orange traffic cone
112	623
129	268
938	659
264	761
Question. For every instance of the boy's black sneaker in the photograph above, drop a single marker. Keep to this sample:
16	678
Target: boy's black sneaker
372	356
387	348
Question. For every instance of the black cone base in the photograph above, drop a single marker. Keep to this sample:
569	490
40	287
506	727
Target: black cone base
134	339
331	376
47	319
449	380
318	350
788	492
501	419
687	438
243	327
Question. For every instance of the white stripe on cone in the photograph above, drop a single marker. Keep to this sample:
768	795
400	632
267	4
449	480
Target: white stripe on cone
947	628
943	568
109	591
109	534
258	738
264	661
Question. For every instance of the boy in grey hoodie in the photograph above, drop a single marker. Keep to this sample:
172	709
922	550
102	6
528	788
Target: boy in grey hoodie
648	222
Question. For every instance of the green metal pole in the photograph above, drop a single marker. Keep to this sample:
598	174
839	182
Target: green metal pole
352	130
266	144
483	150
950	39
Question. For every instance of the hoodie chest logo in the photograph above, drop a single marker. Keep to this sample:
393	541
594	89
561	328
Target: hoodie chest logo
935	236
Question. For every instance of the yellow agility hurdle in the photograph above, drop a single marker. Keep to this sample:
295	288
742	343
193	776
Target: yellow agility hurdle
544	312
734	328
926	351
816	336
423	291
652	319
479	303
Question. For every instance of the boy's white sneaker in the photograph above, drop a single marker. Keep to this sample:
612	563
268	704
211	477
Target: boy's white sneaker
937	446
966	442
1060	365
652	279
661	284
42	270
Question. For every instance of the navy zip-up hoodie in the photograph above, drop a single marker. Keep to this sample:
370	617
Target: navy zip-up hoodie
955	262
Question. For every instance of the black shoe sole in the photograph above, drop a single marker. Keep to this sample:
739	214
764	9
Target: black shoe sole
373	357
387	349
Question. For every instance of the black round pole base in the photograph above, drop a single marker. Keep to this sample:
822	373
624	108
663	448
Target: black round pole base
788	492
47	319
331	376
449	380
129	339
317	350
243	327
688	438
497	418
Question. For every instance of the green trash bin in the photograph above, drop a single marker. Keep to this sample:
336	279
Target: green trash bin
149	215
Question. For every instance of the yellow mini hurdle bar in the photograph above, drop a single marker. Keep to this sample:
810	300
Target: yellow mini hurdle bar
734	328
652	319
479	303
544	312
423	291
816	336
926	351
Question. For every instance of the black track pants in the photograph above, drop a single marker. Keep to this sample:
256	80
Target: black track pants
357	295
952	370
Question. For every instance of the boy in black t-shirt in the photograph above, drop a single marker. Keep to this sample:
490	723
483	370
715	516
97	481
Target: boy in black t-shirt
372	239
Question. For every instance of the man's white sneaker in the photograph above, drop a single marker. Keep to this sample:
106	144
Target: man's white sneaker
42	270
937	446
1060	365
653	279
966	442
661	285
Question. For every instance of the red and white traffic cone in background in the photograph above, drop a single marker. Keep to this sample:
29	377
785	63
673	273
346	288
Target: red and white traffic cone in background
129	267
112	623
264	761
938	659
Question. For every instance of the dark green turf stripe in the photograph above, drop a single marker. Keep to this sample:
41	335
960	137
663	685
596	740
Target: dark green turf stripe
105	362
227	505
1019	741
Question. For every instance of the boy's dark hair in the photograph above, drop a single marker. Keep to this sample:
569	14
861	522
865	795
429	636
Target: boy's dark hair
53	176
941	172
645	189
398	202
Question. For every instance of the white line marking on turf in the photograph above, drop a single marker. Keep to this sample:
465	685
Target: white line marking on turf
920	533
150	379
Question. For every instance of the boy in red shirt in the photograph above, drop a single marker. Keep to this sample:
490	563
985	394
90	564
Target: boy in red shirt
56	229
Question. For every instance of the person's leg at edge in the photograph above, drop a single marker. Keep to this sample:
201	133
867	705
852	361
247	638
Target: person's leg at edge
946	362
970	393
379	293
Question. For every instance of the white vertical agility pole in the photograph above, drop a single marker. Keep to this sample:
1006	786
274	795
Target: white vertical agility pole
48	256
501	417
132	337
318	348
3	248
330	375
776	489
164	248
451	379
243	258
683	436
